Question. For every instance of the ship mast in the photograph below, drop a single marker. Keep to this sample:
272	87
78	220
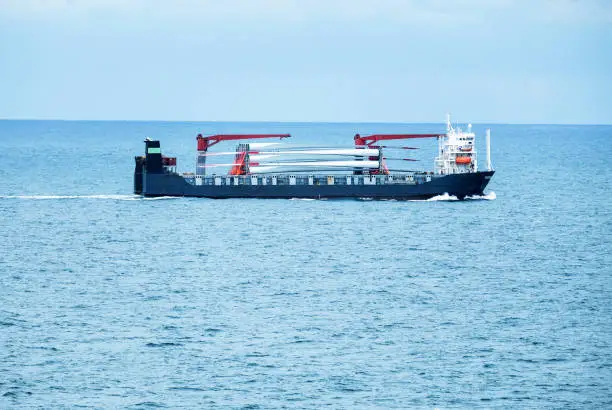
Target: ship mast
489	166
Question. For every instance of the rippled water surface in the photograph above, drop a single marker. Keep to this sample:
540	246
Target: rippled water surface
112	301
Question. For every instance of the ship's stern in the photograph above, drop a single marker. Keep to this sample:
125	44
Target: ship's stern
138	174
150	163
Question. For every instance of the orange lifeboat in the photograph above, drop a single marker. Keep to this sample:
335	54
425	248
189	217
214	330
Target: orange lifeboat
463	160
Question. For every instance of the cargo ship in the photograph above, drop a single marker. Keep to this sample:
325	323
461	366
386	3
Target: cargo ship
276	170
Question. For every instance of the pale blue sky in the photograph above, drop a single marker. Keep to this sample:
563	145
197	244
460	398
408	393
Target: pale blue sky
508	61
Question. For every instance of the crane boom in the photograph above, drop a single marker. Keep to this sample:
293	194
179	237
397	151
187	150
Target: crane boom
371	139
206	142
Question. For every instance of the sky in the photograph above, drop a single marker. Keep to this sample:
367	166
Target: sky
497	61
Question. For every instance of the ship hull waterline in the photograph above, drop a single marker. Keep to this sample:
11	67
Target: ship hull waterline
458	185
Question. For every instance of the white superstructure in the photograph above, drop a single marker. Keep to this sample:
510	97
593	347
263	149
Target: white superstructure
457	151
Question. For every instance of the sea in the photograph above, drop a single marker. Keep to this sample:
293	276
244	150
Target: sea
109	300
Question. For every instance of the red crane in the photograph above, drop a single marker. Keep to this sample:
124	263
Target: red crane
206	142
371	139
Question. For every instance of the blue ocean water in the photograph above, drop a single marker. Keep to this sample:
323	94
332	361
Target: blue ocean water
111	301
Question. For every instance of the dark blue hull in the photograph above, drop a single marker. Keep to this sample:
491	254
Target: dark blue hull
459	185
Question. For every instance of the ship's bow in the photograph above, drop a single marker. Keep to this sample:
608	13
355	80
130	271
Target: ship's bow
472	184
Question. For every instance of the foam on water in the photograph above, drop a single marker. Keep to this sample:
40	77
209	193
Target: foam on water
488	197
101	196
451	198
444	197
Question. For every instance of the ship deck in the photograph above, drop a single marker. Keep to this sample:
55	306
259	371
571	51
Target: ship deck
288	179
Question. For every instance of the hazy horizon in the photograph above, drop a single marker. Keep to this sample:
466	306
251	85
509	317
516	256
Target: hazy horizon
460	123
510	61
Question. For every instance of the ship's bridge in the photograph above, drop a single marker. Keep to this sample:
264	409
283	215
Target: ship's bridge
457	152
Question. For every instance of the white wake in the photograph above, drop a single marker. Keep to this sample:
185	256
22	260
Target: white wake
487	197
446	197
101	196
443	197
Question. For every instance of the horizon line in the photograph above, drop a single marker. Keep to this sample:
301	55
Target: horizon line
301	122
